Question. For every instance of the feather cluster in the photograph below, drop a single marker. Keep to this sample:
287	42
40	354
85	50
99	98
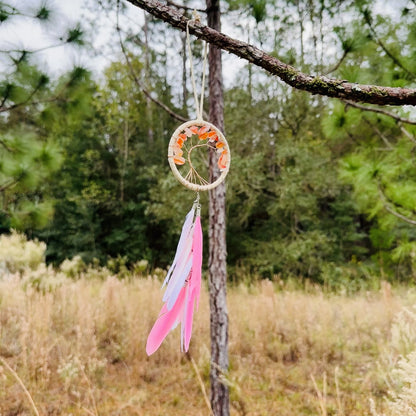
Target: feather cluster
183	286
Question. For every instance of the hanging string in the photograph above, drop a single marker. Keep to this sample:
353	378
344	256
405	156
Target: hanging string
199	104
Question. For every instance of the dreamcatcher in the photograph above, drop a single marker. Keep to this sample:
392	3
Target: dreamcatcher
188	158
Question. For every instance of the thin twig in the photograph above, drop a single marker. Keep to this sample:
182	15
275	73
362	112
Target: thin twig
183	7
321	395
380	134
340	410
380	111
201	384
19	380
408	134
23	51
89	391
338	64
385	49
398	215
136	79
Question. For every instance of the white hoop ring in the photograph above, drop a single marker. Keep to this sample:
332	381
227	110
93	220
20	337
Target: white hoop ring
193	186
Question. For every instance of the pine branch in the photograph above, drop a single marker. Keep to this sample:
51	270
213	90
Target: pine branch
389	209
24	102
8	185
28	101
367	19
33	51
380	111
322	85
398	215
6	146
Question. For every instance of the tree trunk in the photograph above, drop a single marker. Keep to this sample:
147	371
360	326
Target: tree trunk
217	265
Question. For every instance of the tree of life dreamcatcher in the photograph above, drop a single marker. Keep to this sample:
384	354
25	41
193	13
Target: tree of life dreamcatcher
189	151
189	158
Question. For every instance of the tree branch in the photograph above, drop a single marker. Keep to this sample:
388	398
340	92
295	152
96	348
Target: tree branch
391	210
321	85
380	111
400	120
27	102
16	105
137	80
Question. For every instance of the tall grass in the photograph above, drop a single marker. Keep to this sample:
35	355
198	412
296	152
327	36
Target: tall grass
79	348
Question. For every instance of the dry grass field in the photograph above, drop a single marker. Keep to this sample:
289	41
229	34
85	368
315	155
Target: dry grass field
79	349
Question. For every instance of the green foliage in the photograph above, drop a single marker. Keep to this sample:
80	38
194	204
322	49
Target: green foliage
318	190
75	35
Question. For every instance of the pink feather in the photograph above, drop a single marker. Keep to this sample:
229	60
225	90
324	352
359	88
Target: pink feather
164	323
183	287
194	281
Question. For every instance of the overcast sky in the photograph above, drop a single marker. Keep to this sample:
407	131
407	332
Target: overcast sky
26	33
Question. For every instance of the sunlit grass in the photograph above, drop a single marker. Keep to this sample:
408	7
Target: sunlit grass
80	349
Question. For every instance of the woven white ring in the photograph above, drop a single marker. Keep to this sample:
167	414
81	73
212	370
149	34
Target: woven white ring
177	174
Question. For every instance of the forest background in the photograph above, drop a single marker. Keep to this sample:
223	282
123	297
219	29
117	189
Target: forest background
319	189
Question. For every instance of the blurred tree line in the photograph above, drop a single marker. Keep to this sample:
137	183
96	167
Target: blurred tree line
318	188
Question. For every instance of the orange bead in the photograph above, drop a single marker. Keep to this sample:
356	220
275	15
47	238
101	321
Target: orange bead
203	130
180	142
178	152
194	129
219	145
179	160
222	161
182	136
203	136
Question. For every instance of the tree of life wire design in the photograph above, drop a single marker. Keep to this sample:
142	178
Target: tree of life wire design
187	162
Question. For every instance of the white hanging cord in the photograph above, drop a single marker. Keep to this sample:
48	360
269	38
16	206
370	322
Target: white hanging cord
204	65
199	105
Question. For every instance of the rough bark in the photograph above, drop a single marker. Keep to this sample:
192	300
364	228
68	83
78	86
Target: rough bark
217	265
322	85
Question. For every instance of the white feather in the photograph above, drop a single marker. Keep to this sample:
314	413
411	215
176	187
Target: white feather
179	284
186	228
